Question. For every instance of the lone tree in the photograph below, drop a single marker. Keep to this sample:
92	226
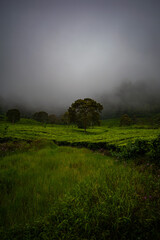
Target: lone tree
13	115
85	113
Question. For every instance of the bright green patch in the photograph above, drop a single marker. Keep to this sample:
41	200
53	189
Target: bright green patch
111	135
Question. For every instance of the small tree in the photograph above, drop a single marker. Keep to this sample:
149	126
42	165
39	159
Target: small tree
13	115
125	120
85	113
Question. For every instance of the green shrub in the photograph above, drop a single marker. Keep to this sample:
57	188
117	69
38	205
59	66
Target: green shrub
154	153
125	120
132	150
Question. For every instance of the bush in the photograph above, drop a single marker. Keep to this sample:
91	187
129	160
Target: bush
125	120
132	150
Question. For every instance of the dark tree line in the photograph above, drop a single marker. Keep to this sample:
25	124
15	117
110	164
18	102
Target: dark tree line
83	113
52	119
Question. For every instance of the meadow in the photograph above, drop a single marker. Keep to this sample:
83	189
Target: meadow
63	192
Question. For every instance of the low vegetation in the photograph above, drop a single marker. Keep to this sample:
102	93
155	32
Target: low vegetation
53	191
70	193
109	132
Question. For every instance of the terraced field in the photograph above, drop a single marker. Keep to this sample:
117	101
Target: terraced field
118	136
60	192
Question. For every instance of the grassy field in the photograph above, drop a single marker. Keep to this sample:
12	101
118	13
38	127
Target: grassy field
59	192
90	195
33	181
109	132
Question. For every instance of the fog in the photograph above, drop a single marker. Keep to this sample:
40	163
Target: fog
54	52
135	98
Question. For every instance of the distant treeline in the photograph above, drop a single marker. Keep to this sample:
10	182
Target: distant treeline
44	117
14	115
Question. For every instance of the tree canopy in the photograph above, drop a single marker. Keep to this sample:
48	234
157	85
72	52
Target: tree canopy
13	115
85	113
41	117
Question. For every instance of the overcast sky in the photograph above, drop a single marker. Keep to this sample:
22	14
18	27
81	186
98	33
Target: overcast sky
54	52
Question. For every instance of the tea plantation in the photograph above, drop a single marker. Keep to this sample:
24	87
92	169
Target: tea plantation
110	134
51	190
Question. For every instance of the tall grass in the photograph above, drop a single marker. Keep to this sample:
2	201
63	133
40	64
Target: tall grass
31	182
76	194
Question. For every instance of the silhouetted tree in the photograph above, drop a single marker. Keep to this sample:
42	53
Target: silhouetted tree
85	113
13	115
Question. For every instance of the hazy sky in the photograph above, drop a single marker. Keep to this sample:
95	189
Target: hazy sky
53	52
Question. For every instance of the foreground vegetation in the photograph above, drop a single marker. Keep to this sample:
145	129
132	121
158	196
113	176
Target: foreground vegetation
60	192
123	142
68	193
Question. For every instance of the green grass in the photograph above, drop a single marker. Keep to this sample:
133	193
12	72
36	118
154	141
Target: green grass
69	193
32	181
52	192
114	135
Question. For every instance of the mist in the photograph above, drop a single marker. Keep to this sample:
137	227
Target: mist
54	52
135	98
